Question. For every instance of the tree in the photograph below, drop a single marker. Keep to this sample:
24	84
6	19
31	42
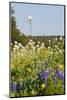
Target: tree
15	32
16	35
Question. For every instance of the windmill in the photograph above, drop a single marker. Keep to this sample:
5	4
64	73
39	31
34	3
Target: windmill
29	21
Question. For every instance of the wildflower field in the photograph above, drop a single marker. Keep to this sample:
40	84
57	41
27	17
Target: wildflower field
37	70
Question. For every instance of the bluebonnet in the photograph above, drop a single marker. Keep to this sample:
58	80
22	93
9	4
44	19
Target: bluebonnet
60	74
57	71
14	86
46	74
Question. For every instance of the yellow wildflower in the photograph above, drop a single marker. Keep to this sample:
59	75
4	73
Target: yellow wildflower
29	69
61	66
43	86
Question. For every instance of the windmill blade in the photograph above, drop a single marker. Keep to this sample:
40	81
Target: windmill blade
30	18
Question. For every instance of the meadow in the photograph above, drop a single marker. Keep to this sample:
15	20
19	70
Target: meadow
37	69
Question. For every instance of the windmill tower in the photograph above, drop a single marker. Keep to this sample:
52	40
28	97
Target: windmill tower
29	21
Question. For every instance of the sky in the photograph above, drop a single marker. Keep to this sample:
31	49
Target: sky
46	19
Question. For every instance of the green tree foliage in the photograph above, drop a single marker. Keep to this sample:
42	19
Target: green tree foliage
14	30
16	35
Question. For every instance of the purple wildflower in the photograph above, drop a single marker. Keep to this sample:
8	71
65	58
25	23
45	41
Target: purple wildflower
57	71
14	86
61	75
46	74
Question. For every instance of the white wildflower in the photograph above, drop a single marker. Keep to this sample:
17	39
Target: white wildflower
30	43
16	46
60	51
49	41
38	50
42	45
56	46
19	44
56	39
59	43
38	46
27	47
33	43
18	54
49	47
38	42
51	53
31	40
21	50
56	52
22	54
14	49
15	42
61	38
